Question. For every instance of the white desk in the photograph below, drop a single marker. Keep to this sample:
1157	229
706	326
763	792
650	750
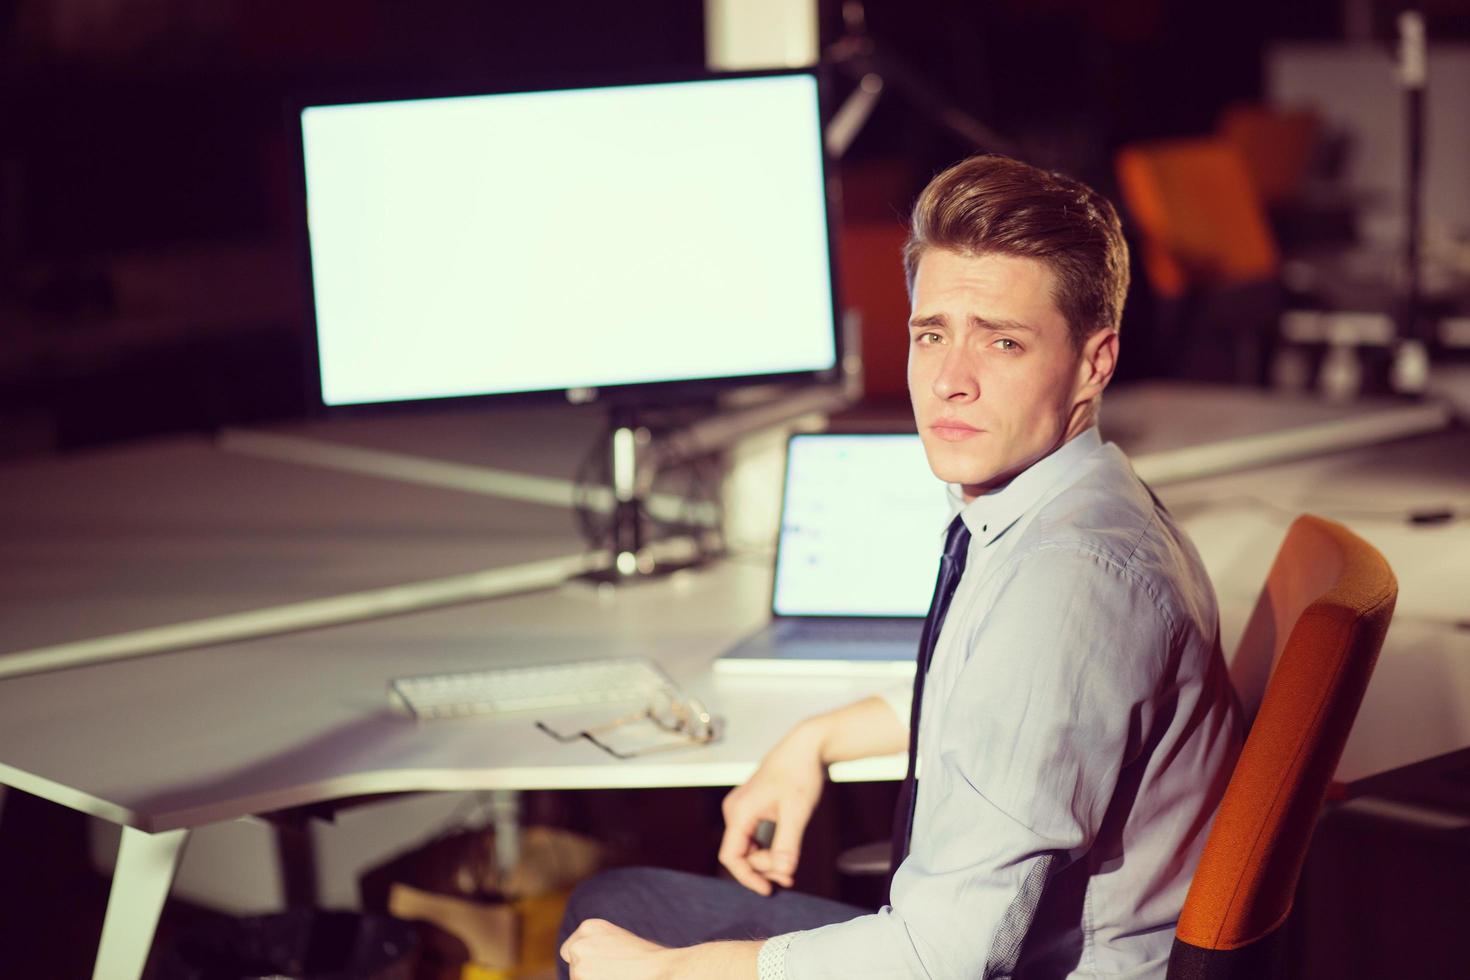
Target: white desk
164	743
173	531
199	736
174	741
1418	703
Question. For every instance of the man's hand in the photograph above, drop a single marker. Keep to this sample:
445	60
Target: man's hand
599	950
785	790
788	784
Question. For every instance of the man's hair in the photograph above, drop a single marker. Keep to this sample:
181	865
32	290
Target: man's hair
996	205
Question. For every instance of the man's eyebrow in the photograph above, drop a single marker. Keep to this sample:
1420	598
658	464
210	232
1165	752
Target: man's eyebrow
1002	326
978	322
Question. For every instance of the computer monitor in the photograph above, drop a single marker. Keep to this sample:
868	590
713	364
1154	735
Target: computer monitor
607	241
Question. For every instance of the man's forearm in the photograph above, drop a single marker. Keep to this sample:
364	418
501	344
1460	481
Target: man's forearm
735	960
865	728
599	950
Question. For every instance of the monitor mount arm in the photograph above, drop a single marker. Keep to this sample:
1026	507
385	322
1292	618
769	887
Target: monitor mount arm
857	55
638	447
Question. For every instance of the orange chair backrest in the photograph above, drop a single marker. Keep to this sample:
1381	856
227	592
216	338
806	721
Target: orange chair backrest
1276	145
1199	218
1320	620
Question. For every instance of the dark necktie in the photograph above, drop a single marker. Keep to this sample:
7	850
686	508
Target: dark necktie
951	567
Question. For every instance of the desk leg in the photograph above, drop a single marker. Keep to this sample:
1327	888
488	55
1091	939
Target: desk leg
505	810
146	864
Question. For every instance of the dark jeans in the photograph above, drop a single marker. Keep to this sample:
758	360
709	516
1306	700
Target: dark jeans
674	908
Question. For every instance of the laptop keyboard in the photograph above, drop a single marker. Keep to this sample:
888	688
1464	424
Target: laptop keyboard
849	630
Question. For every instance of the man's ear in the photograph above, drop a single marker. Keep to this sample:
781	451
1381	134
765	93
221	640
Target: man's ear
1096	366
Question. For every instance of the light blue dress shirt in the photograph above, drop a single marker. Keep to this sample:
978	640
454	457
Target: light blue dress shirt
1078	731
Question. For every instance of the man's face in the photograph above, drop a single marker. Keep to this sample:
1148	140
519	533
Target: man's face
993	374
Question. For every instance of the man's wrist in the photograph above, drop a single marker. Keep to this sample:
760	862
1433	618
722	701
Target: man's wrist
815	734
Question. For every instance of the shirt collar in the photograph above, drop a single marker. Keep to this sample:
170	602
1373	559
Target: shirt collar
990	514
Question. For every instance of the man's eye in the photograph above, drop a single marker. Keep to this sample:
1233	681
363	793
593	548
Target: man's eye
1006	343
927	337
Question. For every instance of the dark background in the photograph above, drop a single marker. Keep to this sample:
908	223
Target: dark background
149	279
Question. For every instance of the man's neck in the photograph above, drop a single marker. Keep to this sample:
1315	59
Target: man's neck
1082	418
971	492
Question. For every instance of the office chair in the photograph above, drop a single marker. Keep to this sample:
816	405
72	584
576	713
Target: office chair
1297	165
1315	633
1278	147
1300	671
1207	252
1198	213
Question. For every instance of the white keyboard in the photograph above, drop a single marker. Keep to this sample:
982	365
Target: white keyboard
538	686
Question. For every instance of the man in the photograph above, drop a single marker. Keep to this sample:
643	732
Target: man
1077	726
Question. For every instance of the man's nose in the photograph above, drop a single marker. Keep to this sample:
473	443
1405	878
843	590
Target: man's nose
957	379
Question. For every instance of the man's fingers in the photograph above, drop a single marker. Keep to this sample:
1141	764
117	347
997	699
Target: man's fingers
733	845
754	866
588	928
786	843
584	928
770	862
765	863
747	876
734	850
754	882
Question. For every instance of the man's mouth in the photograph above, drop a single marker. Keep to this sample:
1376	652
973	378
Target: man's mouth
953	430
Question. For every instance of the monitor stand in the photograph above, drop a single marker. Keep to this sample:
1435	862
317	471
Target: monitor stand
642	539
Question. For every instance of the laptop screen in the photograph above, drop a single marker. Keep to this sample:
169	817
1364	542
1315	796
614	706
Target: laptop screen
862	525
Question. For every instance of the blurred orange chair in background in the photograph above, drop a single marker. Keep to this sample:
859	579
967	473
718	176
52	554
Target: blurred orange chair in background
1278	147
1200	219
1207	252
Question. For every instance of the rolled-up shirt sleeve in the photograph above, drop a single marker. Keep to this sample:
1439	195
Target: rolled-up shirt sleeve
1053	700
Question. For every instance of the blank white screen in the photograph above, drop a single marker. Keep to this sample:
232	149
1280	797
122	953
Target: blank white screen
581	238
862	526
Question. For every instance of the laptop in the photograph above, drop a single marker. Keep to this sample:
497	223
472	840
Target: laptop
862	525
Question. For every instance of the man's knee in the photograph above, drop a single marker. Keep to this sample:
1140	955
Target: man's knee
609	895
617	896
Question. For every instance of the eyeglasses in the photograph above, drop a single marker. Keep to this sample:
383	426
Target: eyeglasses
671	712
